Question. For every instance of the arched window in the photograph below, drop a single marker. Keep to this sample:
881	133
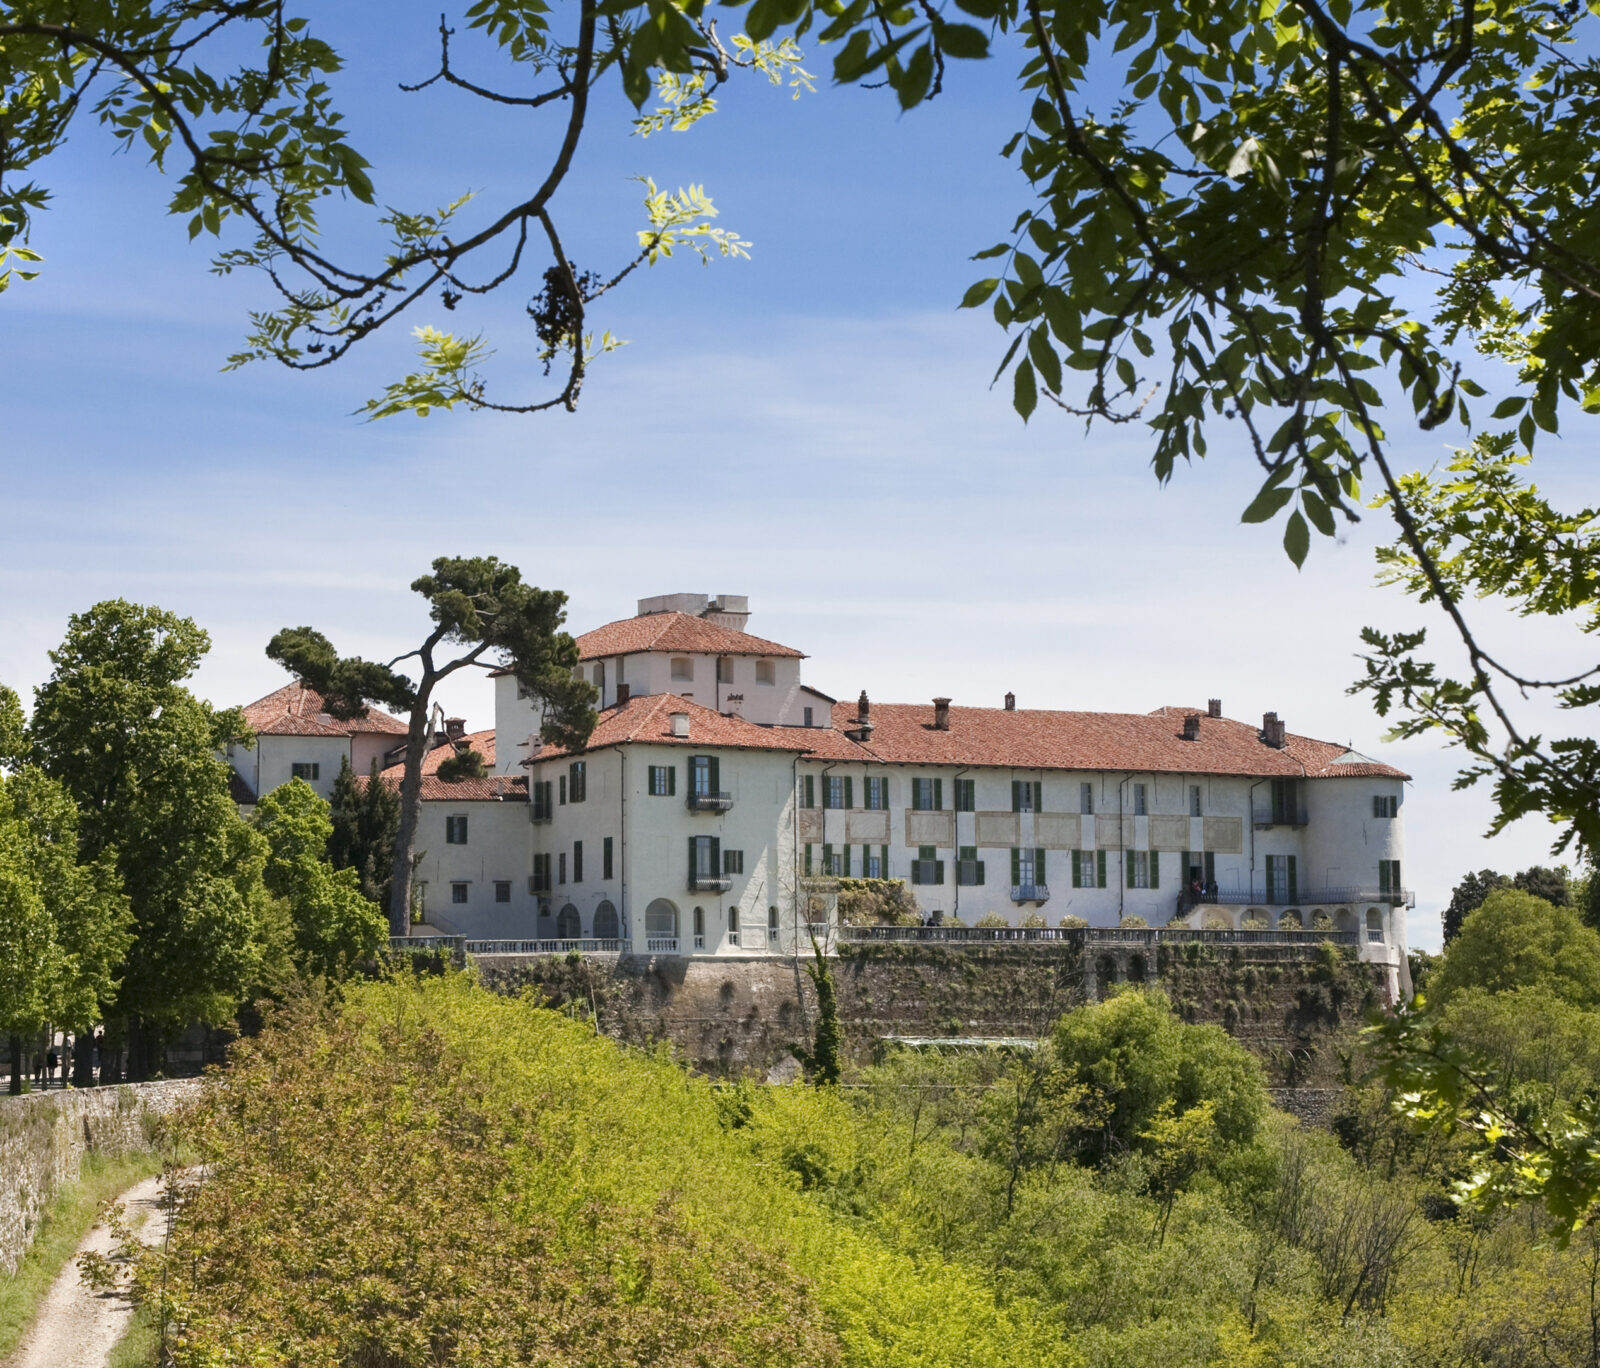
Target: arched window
733	926
605	922
569	925
661	921
699	928
772	926
1374	924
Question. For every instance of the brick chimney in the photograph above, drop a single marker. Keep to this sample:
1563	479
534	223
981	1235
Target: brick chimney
863	707
624	693
455	728
1191	727
1011	702
941	714
863	727
1272	731
1213	707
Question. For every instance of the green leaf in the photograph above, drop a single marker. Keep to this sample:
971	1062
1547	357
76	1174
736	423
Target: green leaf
963	40
1319	512
1509	408
1297	539
1266	504
1025	393
1045	359
977	294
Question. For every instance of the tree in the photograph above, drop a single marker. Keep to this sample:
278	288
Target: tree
335	925
1515	940
13	729
1549	884
481	605
1467	896
64	924
365	818
885	902
467	764
140	757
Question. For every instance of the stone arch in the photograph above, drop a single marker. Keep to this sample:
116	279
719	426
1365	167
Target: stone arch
569	925
1105	974
661	920
1136	969
605	921
1345	920
1254	919
1291	920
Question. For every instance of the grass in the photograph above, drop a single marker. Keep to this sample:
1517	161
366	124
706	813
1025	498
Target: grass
66	1221
139	1346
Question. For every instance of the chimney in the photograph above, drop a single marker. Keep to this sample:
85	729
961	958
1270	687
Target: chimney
1191	727
863	727
1272	730
863	707
1011	702
941	714
624	693
455	728
1214	707
680	723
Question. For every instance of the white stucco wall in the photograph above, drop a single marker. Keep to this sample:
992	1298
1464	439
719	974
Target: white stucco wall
270	762
498	842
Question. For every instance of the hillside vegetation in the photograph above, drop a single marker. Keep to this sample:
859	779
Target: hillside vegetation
425	1173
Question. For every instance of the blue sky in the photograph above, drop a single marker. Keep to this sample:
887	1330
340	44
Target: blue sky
812	427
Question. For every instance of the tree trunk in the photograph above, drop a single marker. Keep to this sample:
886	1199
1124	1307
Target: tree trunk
138	1061
405	837
83	1059
16	1064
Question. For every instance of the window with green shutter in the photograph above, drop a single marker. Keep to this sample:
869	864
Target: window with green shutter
1038	867
1077	869
966	795
1155	869
849	792
1100	868
808	792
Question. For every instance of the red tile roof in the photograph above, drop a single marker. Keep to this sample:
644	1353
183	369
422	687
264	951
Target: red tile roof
904	734
491	788
674	632
295	710
648	717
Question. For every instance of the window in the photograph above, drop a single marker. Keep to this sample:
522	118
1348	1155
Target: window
1086	798
724	669
1389	876
541	800
577	862
969	868
1288	807
1140	806
966	795
877	795
704	776
622	669
1374	924
765	674
1281	880
578	780
927	795
1194	800
772	925
927	868
1027	868
808	790
733	926
541	873
1027	796
502	890
1088	869
806	714
874	862
1385	805
699	928
1144	868
836	791
455	829
733	862
561	867
705	858
836	860
600	678
663	781
605	858
682	667
563	790
309	772
458	892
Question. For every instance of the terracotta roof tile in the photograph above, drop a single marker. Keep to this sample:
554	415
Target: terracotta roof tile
493	788
647	717
480	741
674	632
903	734
295	710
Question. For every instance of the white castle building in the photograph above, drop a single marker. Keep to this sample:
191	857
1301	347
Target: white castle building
719	793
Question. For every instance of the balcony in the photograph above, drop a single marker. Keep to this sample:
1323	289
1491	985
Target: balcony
709	883
1030	893
539	815
1300	897
661	945
710	802
1289	814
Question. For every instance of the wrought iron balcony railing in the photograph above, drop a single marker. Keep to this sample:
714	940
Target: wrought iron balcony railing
710	802
1032	893
709	883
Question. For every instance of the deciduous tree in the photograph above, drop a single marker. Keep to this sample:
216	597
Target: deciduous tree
480	605
365	817
1515	940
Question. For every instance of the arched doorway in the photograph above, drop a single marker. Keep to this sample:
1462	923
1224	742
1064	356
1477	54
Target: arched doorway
1105	974
1136	969
661	924
569	925
605	922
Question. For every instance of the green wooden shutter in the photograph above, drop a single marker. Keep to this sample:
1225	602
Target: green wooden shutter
1293	893
849	792
827	858
1155	869
716	856
810	799
1016	866
1127	867
1077	869
715	776
1099	869
885	791
1211	868
808	859
1016	796
938	795
692	870
1038	867
1038	795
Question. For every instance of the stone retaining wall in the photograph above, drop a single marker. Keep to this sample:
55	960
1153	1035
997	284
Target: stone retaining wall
44	1137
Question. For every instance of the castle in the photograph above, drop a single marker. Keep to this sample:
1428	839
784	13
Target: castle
720	798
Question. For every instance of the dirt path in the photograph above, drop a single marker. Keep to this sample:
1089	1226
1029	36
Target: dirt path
77	1327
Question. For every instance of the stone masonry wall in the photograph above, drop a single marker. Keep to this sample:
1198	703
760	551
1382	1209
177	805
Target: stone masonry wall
1292	1005
44	1137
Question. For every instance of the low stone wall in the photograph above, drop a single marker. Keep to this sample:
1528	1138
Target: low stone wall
44	1137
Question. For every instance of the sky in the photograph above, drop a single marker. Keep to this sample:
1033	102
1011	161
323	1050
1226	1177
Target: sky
813	427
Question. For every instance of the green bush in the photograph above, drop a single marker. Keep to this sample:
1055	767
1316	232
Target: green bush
878	902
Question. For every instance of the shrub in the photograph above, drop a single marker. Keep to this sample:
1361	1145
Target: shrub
1321	921
1217	921
1071	923
877	902
1033	922
1255	921
1133	923
991	921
